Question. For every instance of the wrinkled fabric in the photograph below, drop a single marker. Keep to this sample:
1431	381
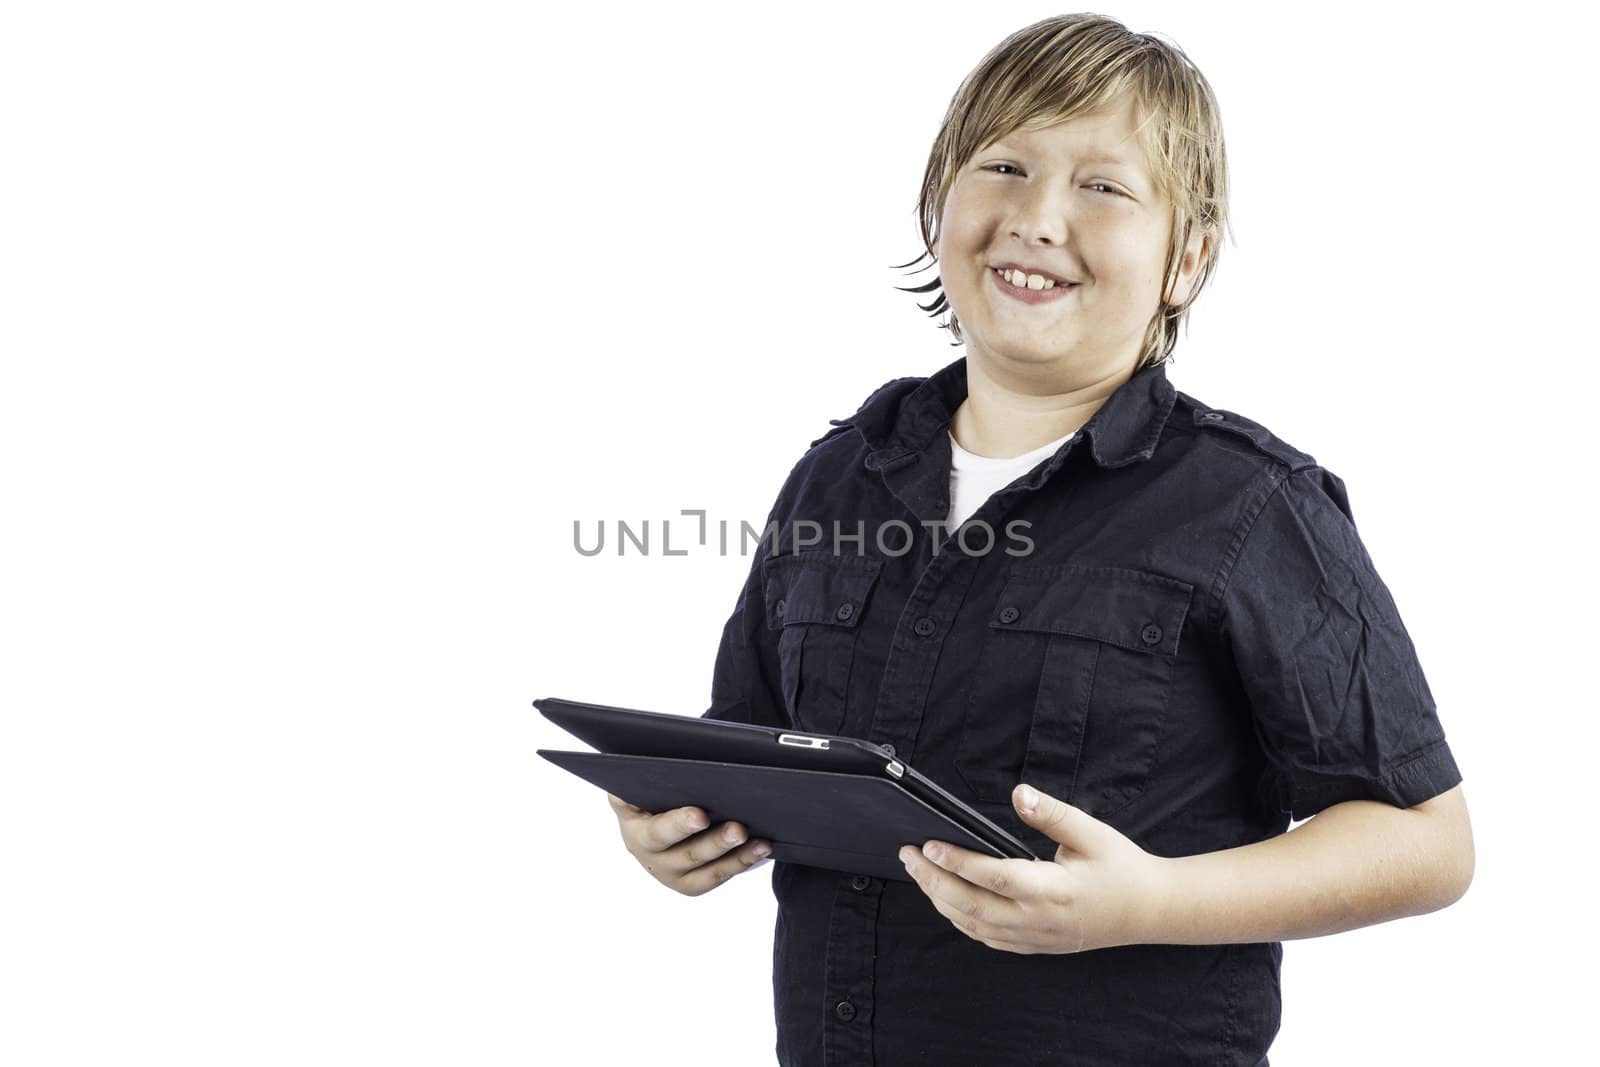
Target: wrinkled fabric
1194	647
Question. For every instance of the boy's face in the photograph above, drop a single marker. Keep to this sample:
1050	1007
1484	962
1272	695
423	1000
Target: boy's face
1047	199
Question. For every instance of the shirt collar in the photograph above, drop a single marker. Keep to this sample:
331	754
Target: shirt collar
902	417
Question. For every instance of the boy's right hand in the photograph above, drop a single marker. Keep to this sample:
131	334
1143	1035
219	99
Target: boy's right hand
680	853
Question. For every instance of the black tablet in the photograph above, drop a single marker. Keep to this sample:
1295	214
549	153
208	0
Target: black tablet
822	800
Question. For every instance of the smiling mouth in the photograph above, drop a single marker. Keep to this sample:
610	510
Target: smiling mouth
1054	284
1025	295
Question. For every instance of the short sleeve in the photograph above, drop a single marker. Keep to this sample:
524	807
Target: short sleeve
745	683
1338	699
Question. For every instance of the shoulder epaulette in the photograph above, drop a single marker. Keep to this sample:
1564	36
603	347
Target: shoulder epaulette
1264	440
839	427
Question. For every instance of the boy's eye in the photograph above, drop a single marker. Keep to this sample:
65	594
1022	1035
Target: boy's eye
1096	185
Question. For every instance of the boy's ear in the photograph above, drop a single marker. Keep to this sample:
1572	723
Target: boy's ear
1194	254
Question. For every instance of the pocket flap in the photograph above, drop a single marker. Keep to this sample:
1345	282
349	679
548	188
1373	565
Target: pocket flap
817	587
1131	609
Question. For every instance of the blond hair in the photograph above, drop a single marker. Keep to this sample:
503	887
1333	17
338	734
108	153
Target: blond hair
1068	65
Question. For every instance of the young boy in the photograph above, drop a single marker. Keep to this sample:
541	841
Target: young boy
1139	632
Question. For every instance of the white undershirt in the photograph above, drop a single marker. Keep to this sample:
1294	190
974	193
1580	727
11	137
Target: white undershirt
975	478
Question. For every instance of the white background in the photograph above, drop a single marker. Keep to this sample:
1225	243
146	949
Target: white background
324	321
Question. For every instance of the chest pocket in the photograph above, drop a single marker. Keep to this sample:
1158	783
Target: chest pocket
816	601
1073	682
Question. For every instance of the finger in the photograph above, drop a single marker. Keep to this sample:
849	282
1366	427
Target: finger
623	808
700	849
982	932
710	875
1070	827
1003	877
995	937
973	901
663	831
961	922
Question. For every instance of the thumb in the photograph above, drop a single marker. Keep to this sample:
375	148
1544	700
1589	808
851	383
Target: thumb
1064	824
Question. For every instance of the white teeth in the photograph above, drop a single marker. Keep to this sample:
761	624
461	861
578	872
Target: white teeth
1031	281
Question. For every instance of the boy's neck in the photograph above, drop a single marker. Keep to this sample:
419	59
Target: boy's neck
1006	415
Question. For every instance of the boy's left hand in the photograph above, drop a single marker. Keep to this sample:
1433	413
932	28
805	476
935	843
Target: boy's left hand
1101	891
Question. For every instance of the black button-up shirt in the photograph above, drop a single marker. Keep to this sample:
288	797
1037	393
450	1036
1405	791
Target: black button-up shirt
1170	623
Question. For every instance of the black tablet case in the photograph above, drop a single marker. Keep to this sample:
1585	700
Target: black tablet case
851	822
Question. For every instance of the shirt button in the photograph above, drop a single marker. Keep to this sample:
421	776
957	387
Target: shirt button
924	626
888	748
1151	634
1213	416
1009	614
845	1010
860	882
845	611
778	607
